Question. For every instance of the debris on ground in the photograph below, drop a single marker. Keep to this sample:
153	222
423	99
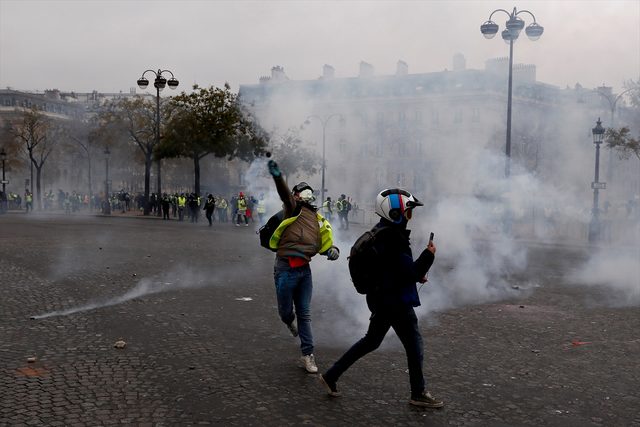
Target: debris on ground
120	344
31	359
244	299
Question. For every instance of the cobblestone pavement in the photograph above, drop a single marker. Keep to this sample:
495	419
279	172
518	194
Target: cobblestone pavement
204	345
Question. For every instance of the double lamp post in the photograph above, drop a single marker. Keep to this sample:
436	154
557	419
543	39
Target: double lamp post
160	82
514	26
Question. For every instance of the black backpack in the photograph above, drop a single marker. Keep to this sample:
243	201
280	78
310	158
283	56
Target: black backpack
364	261
266	231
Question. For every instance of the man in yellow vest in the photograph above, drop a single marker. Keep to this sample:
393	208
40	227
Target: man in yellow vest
302	234
241	204
327	209
28	200
262	208
182	204
223	205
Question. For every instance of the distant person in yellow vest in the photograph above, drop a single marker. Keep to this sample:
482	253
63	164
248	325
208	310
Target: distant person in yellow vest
261	208
182	205
241	212
222	207
327	210
28	201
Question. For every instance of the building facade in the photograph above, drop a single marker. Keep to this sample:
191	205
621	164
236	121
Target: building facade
441	133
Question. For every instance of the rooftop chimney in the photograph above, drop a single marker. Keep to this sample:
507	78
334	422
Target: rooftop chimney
459	63
277	74
366	69
402	69
328	72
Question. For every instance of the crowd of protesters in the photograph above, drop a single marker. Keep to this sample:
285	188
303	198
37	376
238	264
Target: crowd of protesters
239	209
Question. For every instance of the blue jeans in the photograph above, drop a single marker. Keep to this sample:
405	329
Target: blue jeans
293	289
404	322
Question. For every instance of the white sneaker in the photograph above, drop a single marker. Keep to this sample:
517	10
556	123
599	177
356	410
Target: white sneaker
309	363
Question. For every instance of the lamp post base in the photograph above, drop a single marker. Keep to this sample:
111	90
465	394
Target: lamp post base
594	231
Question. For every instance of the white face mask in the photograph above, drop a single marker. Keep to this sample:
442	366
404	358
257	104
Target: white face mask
307	195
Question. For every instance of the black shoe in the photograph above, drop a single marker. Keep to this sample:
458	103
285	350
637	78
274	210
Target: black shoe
425	400
332	388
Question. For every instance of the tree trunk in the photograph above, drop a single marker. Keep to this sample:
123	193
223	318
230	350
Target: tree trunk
90	191
159	165
38	195
147	182
196	173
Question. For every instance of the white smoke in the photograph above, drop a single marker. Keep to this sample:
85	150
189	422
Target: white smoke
178	278
615	270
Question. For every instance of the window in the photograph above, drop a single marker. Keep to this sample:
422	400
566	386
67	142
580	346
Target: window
342	146
402	148
435	119
418	181
457	116
475	115
418	116
379	149
380	181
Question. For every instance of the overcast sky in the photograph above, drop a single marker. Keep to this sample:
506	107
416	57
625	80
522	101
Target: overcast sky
84	45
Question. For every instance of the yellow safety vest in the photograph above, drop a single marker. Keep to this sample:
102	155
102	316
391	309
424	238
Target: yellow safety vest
182	201
326	234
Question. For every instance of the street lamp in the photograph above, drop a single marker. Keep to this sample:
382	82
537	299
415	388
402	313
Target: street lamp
514	25
107	199
594	225
3	156
160	82
323	121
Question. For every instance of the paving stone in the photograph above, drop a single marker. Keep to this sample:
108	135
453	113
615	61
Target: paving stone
195	355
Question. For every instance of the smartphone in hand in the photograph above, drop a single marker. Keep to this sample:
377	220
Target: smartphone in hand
431	237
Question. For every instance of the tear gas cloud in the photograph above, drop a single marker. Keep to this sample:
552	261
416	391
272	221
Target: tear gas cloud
465	197
617	271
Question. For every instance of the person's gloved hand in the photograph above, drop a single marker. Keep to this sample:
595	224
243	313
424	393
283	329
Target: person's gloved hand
274	170
333	253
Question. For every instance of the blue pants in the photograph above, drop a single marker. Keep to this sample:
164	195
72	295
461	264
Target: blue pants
404	322
293	289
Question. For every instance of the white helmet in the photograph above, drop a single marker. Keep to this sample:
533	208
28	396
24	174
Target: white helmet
391	204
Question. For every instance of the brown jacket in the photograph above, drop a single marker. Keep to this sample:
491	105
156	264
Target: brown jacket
302	237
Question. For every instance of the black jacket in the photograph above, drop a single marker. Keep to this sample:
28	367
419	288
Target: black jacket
397	269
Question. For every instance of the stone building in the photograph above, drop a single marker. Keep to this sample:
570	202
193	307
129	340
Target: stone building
435	131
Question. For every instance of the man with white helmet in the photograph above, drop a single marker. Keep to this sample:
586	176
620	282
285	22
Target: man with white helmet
302	234
394	297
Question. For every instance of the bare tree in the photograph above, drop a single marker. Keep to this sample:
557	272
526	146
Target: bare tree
136	118
37	136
